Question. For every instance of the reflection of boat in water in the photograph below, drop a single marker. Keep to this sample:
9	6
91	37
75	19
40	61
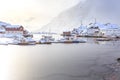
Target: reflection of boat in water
46	39
104	39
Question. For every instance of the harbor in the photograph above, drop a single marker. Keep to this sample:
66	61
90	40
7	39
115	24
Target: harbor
17	35
60	40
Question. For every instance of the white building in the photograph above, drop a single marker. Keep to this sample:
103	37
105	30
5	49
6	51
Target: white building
94	29
110	30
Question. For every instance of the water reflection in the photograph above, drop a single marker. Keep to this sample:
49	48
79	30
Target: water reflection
13	63
58	61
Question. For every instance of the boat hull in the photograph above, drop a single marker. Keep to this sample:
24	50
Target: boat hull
45	42
72	41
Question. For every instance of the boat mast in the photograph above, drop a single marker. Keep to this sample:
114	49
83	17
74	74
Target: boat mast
95	20
81	22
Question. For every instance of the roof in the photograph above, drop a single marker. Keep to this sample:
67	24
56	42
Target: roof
105	26
13	26
4	23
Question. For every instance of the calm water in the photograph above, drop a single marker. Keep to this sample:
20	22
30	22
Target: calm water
84	61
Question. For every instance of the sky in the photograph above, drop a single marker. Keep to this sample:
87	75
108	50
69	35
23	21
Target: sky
33	14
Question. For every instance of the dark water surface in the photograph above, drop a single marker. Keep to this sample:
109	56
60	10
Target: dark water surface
83	61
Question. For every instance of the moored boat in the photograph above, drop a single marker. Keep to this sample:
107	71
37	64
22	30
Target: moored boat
70	40
23	41
46	39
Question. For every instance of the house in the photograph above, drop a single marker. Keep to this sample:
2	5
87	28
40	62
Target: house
67	33
110	30
14	29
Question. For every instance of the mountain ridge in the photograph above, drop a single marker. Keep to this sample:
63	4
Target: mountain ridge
87	11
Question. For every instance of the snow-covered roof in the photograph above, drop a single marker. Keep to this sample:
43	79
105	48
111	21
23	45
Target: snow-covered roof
104	26
96	25
13	26
111	26
2	30
7	25
4	23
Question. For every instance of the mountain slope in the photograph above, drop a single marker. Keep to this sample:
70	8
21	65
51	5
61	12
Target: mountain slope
103	10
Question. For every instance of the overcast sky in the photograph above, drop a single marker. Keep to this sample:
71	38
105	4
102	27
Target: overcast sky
33	13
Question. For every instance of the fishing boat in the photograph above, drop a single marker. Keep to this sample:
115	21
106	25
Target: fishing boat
69	38
46	39
3	43
23	41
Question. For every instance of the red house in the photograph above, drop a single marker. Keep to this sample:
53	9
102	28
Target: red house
14	29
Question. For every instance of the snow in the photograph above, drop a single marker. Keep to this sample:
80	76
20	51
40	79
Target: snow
4	23
104	26
111	26
7	25
103	10
13	26
2	30
82	27
107	29
96	24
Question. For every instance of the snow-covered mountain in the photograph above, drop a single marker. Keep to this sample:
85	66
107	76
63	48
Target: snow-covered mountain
105	11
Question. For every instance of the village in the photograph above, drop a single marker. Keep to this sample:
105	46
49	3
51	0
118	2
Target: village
18	35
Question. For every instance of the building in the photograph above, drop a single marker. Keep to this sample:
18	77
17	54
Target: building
80	30
93	29
67	33
14	29
8	30
110	30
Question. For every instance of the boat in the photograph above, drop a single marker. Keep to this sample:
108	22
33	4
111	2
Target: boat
23	41
30	41
70	40
3	43
46	39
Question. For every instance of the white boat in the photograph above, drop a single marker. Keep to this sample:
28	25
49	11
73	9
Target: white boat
30	41
3	43
46	39
23	41
70	40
